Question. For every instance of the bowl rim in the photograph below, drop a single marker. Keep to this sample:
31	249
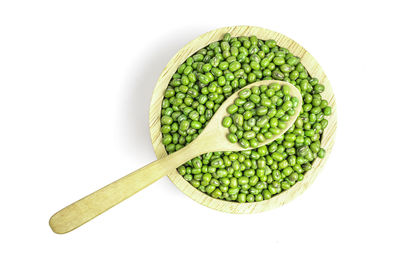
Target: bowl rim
313	68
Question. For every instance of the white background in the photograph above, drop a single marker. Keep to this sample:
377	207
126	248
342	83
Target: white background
76	79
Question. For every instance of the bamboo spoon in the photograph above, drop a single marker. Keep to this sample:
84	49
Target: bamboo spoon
212	138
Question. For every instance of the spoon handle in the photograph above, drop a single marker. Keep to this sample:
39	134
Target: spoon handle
87	208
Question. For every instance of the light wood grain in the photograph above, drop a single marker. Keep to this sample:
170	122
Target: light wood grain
87	208
312	67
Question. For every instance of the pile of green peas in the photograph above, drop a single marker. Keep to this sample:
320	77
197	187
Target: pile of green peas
204	81
259	113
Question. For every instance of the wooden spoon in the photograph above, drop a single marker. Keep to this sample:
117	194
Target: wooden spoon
212	138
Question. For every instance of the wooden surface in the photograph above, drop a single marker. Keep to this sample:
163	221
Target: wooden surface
314	70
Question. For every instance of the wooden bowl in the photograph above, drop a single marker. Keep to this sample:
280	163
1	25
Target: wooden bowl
313	68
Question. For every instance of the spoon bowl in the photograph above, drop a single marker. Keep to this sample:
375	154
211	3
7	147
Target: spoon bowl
213	137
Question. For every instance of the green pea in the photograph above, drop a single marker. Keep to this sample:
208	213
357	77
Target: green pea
270	43
285	185
247	115
319	88
261	110
244	143
184	125
277	75
249	105
321	153
283	164
166	120
250	198
274	130
327	111
227	122
253	180
243	180
167	139
232	138
203	78
216	193
294	75
249	135
196	125
323	104
216	162
234	66
240	102
255	65
238	119
272	190
266	194
165	129
246	93
324	123
285	68
253	143
314	147
241	198
259	197
277	156
279	61
255	98
233	128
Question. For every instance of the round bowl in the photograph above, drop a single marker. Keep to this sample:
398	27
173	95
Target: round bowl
313	68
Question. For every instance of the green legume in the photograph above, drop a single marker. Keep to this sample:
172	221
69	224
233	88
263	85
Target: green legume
232	138
227	122
211	75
